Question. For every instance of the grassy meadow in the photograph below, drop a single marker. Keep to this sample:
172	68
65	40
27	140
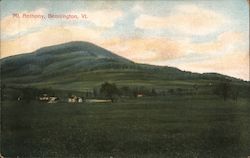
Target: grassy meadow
202	126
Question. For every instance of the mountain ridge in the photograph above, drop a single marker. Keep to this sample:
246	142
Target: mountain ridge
75	61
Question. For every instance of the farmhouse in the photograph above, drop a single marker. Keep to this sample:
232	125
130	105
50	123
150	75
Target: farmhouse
53	100
75	99
139	95
44	97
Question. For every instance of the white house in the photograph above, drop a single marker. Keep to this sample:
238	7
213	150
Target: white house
80	100
75	99
53	100
139	95
44	97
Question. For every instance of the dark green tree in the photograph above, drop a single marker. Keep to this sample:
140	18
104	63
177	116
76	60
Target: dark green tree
109	90
125	91
153	92
95	92
29	93
171	91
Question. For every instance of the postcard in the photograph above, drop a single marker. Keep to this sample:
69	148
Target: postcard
125	79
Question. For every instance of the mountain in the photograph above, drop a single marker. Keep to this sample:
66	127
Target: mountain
63	57
82	65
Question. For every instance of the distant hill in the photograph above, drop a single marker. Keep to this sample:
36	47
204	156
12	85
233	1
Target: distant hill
83	65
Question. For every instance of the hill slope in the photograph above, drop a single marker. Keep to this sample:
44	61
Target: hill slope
82	65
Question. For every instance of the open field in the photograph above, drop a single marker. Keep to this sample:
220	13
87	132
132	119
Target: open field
176	126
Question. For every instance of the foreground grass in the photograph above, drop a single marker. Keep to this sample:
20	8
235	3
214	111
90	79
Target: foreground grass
204	126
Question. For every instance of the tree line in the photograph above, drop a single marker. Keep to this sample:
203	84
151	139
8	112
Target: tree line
225	89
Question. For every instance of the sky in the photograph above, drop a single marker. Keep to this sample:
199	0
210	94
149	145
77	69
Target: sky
192	35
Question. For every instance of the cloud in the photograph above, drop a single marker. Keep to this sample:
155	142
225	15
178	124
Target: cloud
234	64
146	50
101	18
11	25
161	50
227	54
188	19
137	8
104	18
225	42
46	37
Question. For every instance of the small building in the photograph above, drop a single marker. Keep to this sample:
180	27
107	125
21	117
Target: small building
53	100
139	95
80	100
44	97
75	99
19	98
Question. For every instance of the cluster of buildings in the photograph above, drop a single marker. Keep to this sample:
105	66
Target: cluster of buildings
54	99
72	99
48	99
